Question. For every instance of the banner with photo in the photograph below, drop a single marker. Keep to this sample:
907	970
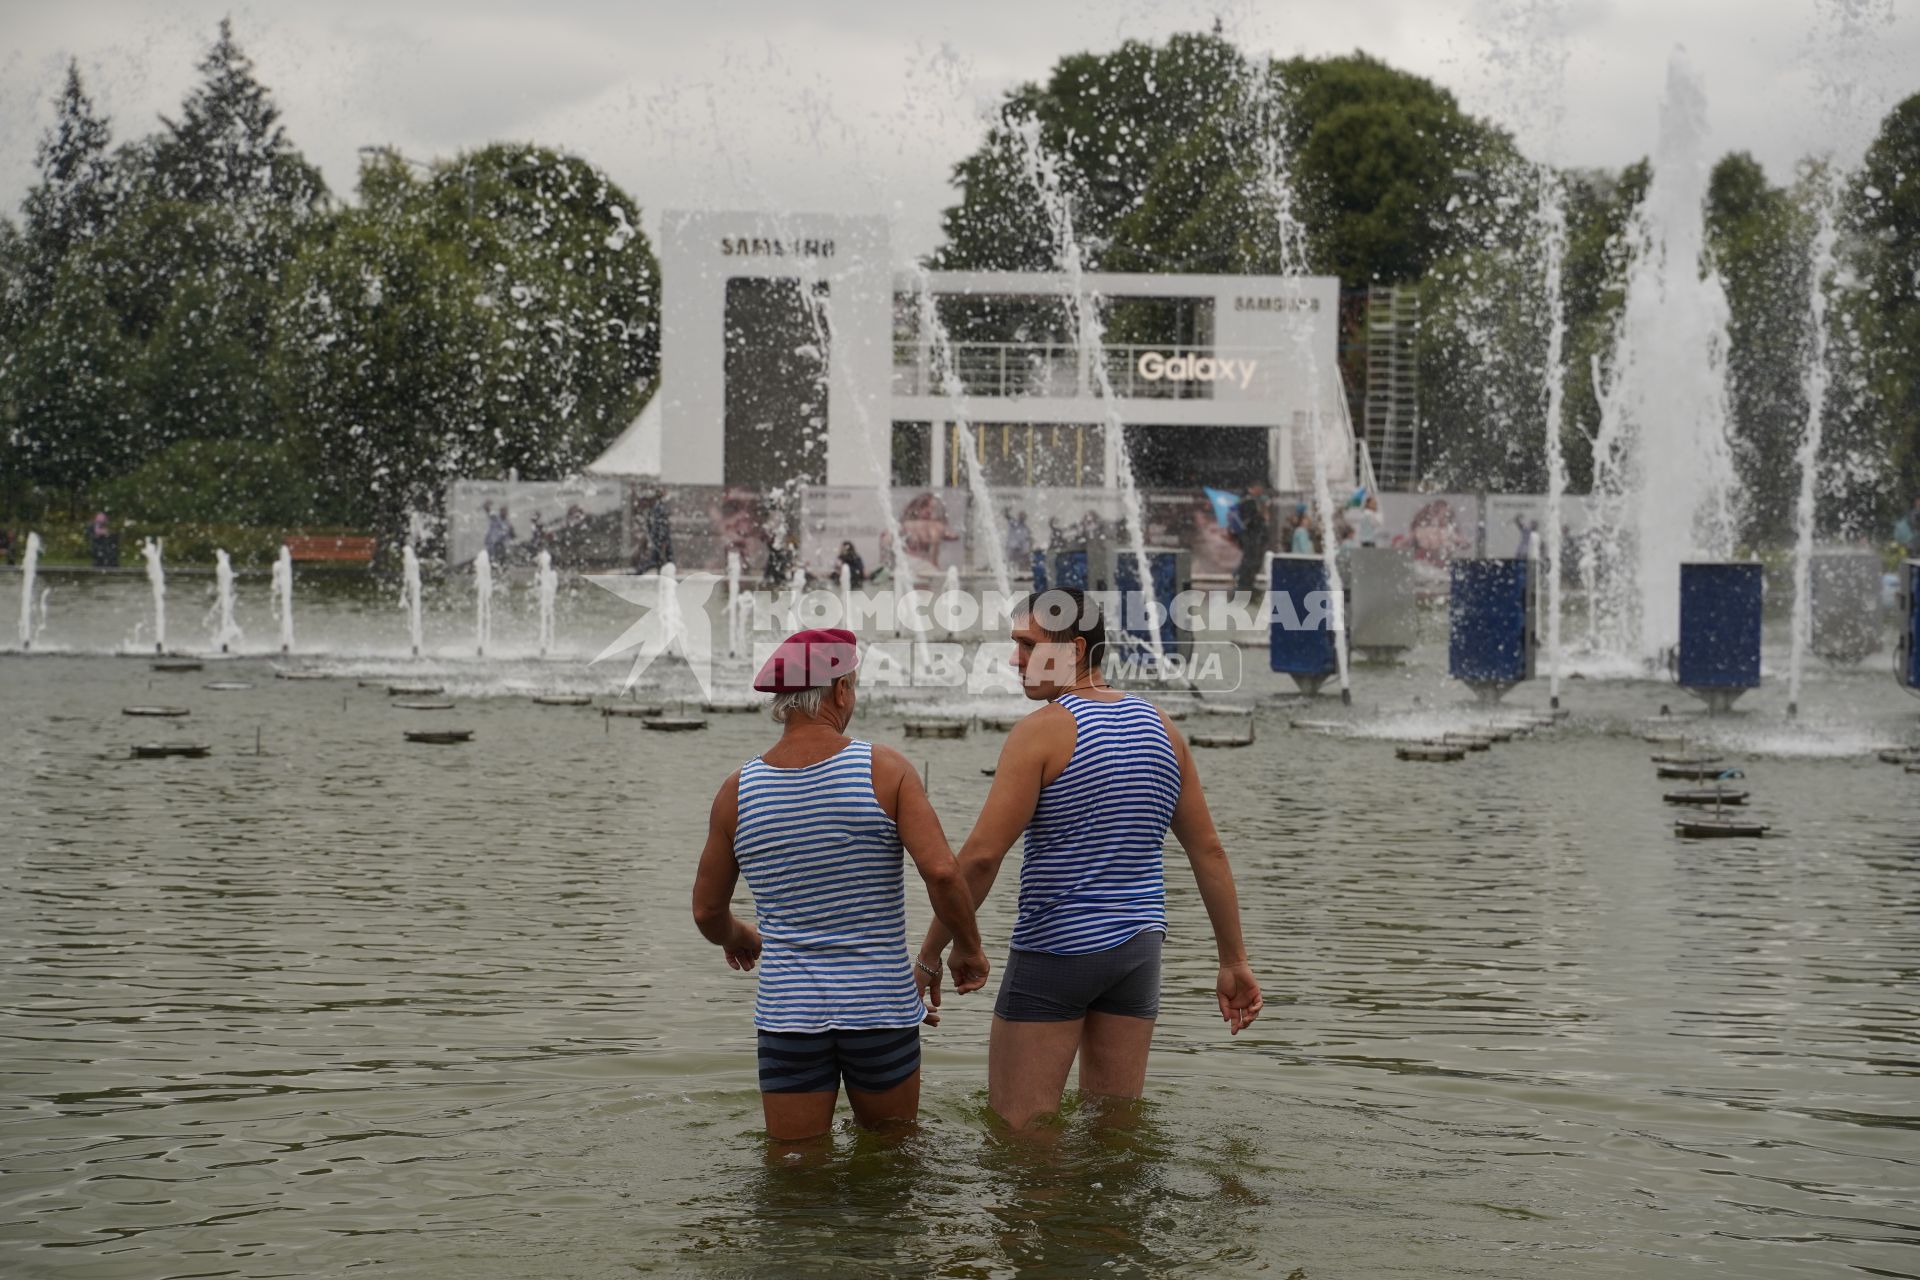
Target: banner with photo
580	523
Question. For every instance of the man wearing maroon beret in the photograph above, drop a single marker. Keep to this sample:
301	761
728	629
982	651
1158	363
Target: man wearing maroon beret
817	824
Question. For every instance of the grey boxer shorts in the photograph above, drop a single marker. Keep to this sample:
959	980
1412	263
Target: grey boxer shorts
1038	986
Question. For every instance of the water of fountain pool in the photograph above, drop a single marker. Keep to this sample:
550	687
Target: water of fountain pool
313	1008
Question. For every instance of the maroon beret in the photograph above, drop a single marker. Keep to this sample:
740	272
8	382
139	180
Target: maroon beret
809	659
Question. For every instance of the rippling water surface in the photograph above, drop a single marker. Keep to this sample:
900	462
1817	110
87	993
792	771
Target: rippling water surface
355	1004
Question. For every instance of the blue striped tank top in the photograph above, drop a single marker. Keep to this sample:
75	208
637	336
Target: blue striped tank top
824	862
1090	873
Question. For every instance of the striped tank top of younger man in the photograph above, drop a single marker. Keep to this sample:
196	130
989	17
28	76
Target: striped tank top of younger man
1093	908
825	864
1090	871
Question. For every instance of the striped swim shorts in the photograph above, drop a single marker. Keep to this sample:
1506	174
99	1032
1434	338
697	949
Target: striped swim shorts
817	1061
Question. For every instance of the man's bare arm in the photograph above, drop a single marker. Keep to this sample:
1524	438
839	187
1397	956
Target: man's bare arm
715	880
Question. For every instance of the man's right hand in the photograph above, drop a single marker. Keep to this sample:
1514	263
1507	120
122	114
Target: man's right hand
928	985
969	969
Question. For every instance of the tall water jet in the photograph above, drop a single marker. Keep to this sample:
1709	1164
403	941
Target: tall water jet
1814	380
1663	470
818	305
1083	310
28	570
547	583
947	378
410	594
157	579
1552	214
673	626
733	602
796	592
226	631
482	602
283	597
846	595
1274	190
950	594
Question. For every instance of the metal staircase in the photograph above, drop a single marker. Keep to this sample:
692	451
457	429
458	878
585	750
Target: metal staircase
1393	386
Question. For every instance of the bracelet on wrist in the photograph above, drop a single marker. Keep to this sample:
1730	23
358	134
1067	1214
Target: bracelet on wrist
927	969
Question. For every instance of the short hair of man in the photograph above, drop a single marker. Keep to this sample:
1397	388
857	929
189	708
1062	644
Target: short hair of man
805	701
1068	613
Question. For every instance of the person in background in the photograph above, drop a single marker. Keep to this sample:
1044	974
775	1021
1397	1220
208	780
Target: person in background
1300	542
1906	530
660	530
1368	525
99	540
499	532
6	543
1529	530
856	567
817	824
1253	538
1019	543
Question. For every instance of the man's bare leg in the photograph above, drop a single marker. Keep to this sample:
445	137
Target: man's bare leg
1113	1054
890	1108
795	1117
1027	1064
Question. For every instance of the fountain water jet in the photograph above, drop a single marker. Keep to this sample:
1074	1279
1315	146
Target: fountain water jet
1275	189
1808	457
157	579
31	565
1083	309
819	308
733	602
410	595
482	602
283	597
1552	214
548	584
947	379
1664	487
226	631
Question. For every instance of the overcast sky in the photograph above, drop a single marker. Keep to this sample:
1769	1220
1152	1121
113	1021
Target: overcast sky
833	105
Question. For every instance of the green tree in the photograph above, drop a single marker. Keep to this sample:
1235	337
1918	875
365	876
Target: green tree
1392	173
74	198
500	314
1481	353
1874	454
1593	290
1160	151
556	251
1758	239
228	146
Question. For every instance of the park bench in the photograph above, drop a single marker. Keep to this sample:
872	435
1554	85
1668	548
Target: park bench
331	548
